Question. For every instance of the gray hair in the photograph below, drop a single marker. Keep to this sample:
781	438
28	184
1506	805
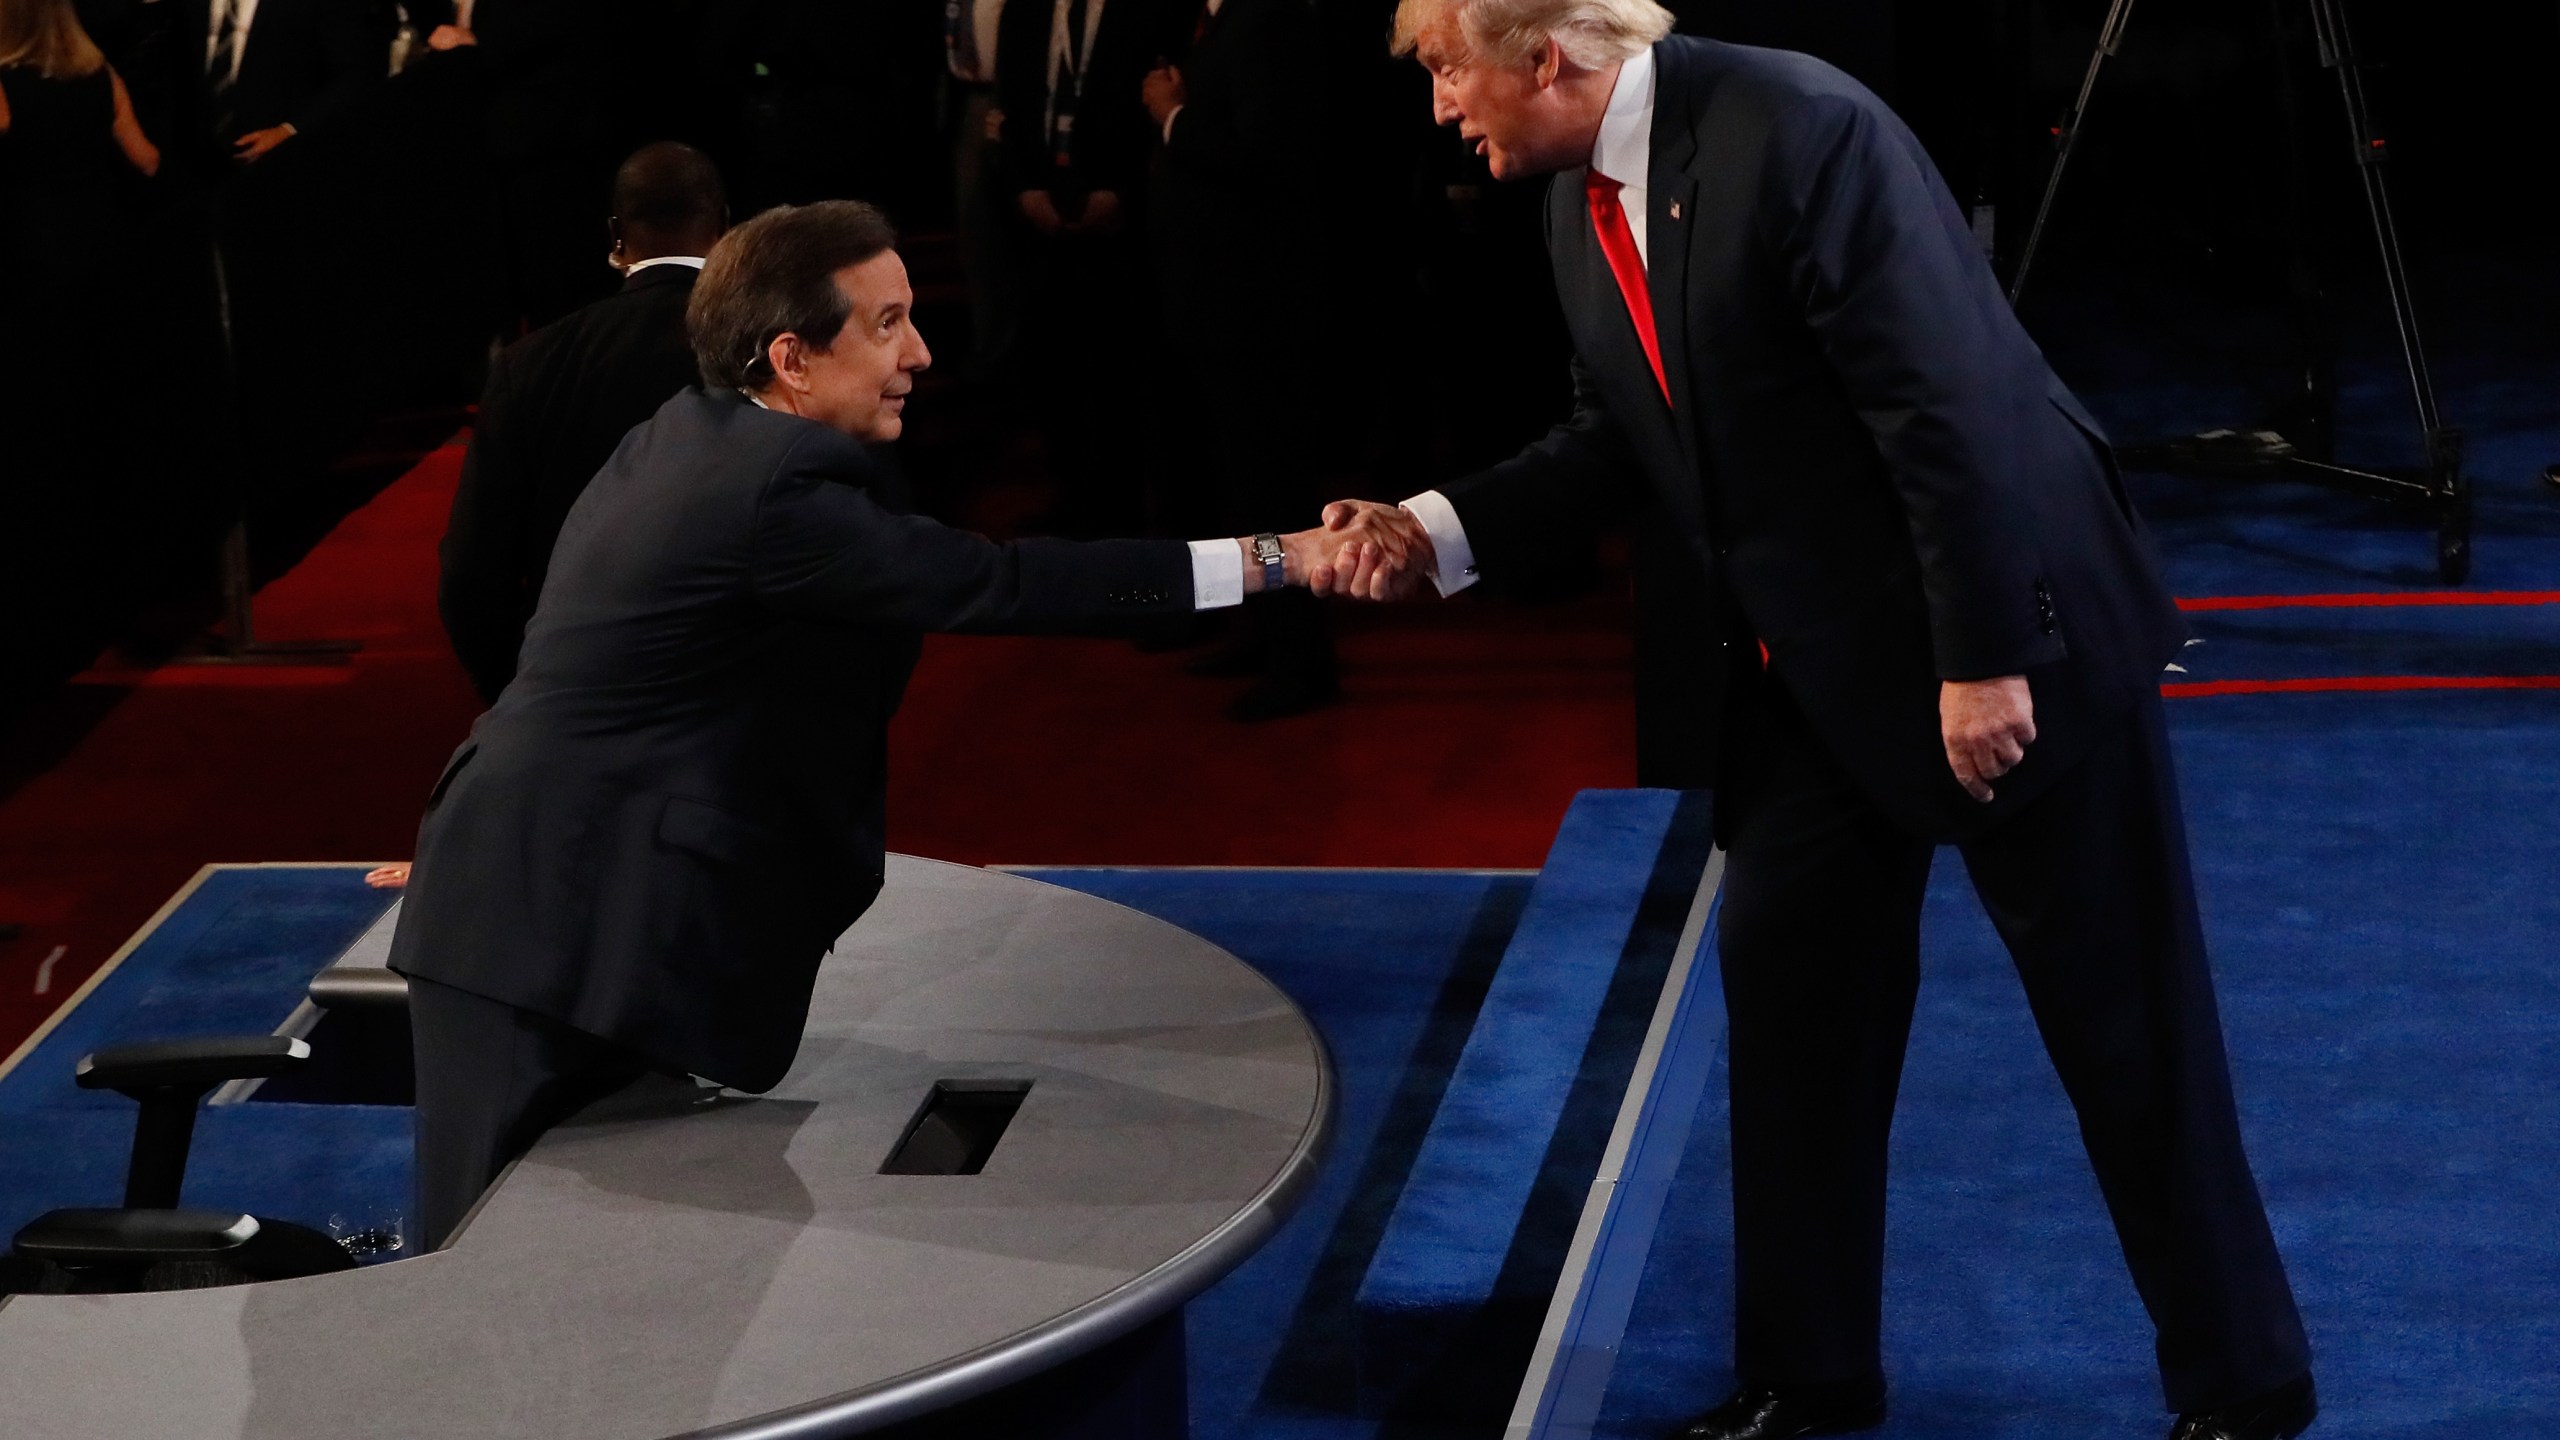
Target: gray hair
776	276
1593	34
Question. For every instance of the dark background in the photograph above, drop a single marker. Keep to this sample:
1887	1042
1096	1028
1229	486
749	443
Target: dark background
2216	155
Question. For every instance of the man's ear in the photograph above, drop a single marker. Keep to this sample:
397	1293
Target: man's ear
789	361
1550	64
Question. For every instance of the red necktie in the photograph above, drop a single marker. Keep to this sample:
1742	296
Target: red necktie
1618	242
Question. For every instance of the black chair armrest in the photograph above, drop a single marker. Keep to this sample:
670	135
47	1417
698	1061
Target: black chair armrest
360	987
133	1237
176	1249
197	1065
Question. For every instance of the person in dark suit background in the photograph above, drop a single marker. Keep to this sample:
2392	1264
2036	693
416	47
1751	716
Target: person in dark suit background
71	152
647	845
1241	120
271	70
555	93
560	400
1785	333
1076	142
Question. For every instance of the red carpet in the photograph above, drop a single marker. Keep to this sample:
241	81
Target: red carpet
1467	729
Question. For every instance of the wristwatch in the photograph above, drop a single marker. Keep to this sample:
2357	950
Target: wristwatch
1267	552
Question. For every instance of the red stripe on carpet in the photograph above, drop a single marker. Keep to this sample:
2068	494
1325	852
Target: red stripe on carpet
2361	601
2182	689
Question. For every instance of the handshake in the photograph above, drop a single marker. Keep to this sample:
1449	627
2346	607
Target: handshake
1363	550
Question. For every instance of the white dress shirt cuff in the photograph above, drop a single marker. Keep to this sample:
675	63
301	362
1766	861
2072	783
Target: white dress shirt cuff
1217	574
1169	117
1454	559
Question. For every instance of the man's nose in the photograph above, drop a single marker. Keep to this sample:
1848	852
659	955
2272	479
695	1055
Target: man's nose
1444	103
917	356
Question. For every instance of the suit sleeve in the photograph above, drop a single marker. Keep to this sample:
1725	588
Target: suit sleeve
825	549
1883	274
479	590
1539	511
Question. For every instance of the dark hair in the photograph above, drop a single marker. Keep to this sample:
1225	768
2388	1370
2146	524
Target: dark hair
669	186
775	275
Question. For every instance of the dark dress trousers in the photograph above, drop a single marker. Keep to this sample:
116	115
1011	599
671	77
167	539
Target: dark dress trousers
1889	488
556	404
658	831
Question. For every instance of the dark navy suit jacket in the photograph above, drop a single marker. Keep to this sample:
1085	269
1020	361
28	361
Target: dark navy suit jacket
675	807
1885	480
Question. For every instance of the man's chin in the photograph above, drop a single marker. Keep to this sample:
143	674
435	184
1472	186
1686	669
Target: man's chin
883	429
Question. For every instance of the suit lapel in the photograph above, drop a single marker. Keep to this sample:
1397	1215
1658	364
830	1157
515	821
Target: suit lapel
1672	198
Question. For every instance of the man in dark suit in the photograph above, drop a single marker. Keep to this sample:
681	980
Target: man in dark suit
275	69
1241	118
560	400
1786	333
646	847
557	90
1076	142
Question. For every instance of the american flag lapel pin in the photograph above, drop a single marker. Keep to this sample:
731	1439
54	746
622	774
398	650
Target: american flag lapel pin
1675	209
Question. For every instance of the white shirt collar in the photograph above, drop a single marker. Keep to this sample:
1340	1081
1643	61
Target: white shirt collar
691	262
1625	149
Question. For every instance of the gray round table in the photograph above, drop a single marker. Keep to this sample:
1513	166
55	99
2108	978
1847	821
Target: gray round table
682	1262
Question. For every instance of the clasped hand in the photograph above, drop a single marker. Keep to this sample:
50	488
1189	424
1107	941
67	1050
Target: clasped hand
1369	551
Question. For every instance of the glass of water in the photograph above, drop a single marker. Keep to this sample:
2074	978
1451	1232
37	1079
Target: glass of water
372	1234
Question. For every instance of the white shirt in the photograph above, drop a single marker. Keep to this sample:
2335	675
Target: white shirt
1624	153
690	262
242	12
983	18
1217	566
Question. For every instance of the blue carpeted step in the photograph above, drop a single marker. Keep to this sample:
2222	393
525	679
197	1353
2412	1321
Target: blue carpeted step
1464	1267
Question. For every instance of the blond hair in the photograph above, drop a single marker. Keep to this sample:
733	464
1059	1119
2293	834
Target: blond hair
1593	34
46	35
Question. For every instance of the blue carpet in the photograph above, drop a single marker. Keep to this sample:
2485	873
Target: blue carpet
1391	967
1454	1224
233	959
2375	878
2153	365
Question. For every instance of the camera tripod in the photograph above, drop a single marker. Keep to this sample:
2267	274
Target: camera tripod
2439	491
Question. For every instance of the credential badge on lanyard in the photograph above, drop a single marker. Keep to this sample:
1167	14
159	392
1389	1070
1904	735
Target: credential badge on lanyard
1070	57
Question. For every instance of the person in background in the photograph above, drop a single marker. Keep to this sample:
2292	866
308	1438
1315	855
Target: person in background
1076	140
983	204
72	292
543	81
1239	121
560	400
273	70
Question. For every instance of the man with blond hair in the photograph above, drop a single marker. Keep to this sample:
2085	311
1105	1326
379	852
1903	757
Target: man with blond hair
1941	623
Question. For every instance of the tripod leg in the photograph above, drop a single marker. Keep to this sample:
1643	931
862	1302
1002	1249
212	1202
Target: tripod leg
2110	36
2444	443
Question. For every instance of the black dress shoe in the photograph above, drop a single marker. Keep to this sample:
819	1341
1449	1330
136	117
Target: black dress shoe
1762	1413
2279	1414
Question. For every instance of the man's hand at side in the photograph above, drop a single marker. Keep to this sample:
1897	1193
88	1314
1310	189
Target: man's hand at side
251	147
1988	725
